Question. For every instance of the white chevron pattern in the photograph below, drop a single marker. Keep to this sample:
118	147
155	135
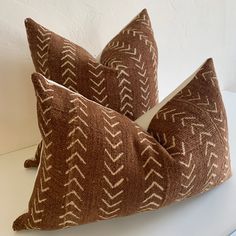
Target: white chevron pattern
205	138
113	180
98	84
141	71
170	114
142	37
77	151
170	144
212	76
43	39
143	79
44	123
192	96
124	87
153	188
188	176
122	75
124	68
143	19
68	65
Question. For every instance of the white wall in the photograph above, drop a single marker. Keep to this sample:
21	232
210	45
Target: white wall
187	32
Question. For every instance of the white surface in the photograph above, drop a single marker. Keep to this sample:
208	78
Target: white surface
211	214
187	32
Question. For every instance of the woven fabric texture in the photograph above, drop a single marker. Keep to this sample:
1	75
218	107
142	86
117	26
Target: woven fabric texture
192	127
124	80
97	164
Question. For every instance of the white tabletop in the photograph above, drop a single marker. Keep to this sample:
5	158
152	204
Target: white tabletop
211	214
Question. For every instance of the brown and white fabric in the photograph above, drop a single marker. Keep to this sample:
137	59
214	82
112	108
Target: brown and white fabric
124	80
192	127
96	164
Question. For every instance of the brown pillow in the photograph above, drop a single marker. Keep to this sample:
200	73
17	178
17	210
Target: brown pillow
124	79
192	127
97	164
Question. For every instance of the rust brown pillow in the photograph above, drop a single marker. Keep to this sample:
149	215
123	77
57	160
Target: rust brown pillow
124	79
97	164
192	127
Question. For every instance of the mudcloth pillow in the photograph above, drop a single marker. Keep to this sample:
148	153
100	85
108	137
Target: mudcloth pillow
102	165
125	79
192	127
96	163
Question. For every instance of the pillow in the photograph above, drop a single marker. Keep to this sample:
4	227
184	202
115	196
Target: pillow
192	127
124	79
97	164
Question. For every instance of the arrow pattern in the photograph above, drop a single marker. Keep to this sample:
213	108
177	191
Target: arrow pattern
192	127
143	79
85	175
142	37
126	93
98	84
113	179
112	82
43	40
106	166
124	80
68	65
143	19
142	72
44	98
125	85
76	162
153	172
125	50
188	176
